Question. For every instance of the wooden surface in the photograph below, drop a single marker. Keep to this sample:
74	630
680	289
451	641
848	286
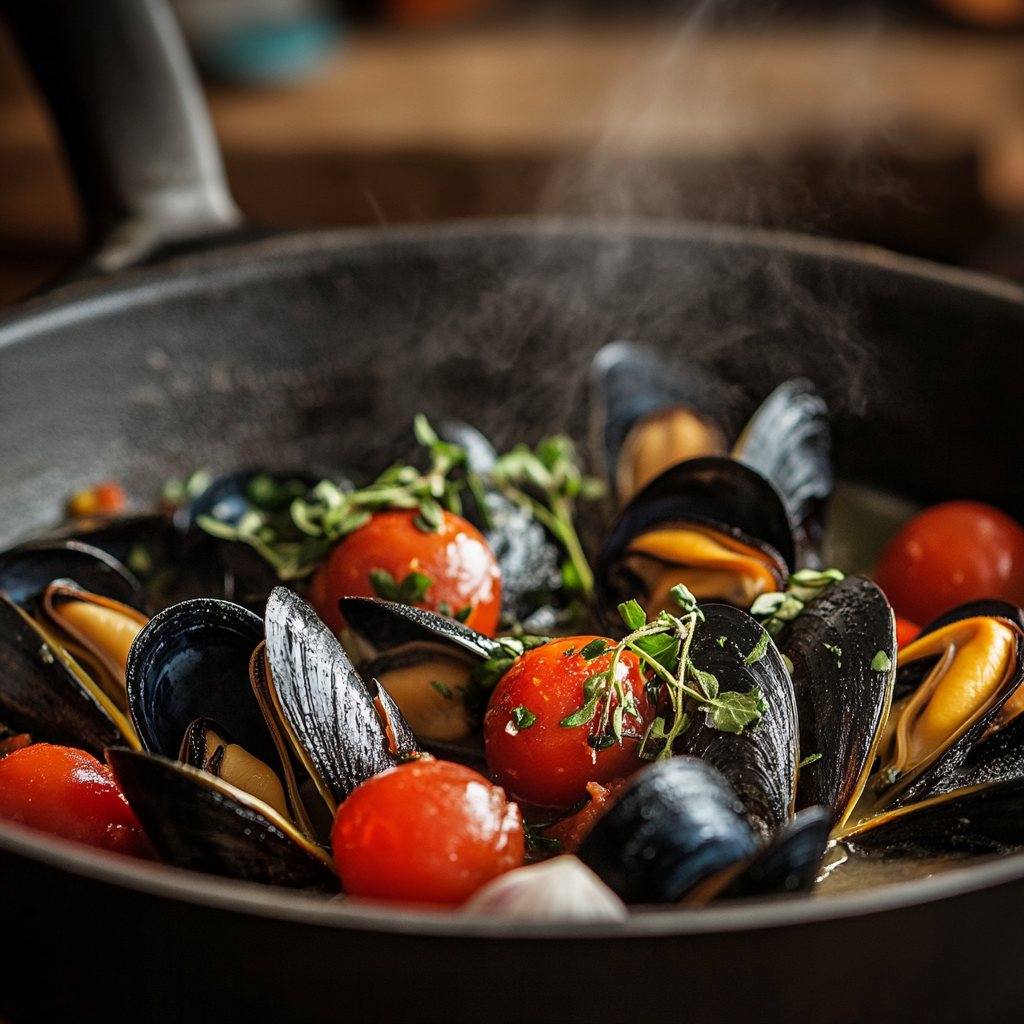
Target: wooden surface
781	126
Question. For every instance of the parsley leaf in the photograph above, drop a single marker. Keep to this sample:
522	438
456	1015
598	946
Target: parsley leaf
809	759
523	717
633	615
441	689
733	712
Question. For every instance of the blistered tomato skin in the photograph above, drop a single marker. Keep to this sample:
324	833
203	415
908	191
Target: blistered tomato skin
548	764
952	553
456	558
68	793
425	832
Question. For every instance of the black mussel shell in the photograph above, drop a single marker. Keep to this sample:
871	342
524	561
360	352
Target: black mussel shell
789	864
711	491
227	499
387	624
197	821
842	699
192	661
326	705
676	824
41	692
978	819
973	758
761	763
27	570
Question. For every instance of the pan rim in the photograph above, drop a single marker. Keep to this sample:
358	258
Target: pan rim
94	297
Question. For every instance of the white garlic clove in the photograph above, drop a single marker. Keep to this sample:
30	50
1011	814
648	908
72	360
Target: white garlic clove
561	889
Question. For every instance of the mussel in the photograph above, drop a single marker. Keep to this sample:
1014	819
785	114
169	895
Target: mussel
761	763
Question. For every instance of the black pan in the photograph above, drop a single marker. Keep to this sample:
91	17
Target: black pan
314	351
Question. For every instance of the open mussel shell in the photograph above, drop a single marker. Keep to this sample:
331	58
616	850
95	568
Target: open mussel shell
676	824
331	716
714	492
27	570
977	754
192	661
385	625
843	651
789	864
761	763
197	821
45	693
977	819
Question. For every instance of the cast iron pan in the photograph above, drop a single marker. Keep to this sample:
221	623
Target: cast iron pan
314	351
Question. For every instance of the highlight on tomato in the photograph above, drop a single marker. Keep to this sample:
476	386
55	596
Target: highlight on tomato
69	793
450	570
426	831
550	727
950	554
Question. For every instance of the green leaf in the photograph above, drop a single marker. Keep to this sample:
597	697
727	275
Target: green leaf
413	587
721	641
733	712
523	717
487	673
880	662
758	652
464	613
384	585
809	759
424	431
431	516
540	843
602	742
788	664
683	598
790	609
617	722
662	647
571	578
441	689
217	528
592	684
582	715
633	615
767	604
594	649
708	682
837	652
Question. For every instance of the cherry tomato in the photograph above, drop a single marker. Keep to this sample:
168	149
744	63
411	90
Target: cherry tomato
106	498
906	632
949	554
462	569
68	793
536	758
427	831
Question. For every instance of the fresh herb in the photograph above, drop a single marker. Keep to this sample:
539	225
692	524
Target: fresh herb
523	717
547	481
441	689
837	653
880	662
463	613
721	641
594	649
777	610
663	646
409	591
758	652
809	759
539	842
485	676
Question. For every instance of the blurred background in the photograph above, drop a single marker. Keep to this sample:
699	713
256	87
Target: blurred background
899	123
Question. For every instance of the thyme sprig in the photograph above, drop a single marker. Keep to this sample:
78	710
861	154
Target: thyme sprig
776	610
663	646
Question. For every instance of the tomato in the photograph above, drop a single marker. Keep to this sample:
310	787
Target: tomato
107	498
68	793
906	632
949	554
462	569
426	831
546	763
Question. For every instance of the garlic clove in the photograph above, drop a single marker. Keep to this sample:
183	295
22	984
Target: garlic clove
561	889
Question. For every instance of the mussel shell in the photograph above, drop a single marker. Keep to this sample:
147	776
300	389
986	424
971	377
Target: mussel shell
226	499
41	694
761	763
789	864
978	819
388	624
192	661
197	821
842	702
677	823
327	707
27	570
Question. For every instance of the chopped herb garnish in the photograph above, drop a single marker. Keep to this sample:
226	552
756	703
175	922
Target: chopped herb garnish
594	649
777	609
721	641
758	652
409	591
837	652
441	689
809	759
464	613
880	662
523	717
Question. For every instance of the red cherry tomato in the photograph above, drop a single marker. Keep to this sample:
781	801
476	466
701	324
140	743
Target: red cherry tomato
546	763
906	632
68	793
952	553
461	567
427	832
